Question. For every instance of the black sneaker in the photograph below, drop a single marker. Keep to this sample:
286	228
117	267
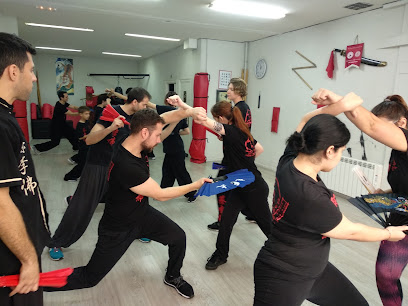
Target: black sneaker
214	261
214	226
191	199
182	287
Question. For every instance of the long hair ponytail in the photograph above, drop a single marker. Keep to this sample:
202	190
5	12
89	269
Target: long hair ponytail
393	107
224	109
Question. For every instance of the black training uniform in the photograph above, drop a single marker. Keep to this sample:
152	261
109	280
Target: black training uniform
127	217
81	130
18	174
92	185
223	198
239	153
293	265
59	129
174	165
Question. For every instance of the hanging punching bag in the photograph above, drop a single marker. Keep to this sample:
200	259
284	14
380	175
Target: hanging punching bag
197	146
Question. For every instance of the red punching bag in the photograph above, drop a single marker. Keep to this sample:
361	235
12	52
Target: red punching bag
197	146
47	111
20	109
22	122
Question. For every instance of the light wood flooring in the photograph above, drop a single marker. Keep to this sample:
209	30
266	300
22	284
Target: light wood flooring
137	279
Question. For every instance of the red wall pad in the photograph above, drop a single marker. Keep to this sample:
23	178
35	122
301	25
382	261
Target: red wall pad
33	108
22	122
275	119
197	146
20	109
47	111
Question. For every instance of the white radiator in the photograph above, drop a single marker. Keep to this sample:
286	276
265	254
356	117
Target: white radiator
343	180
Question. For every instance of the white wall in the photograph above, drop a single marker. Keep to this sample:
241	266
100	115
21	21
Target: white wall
170	66
220	55
8	24
45	65
282	88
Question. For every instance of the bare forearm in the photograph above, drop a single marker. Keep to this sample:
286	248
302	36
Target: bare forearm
96	136
14	234
177	115
174	192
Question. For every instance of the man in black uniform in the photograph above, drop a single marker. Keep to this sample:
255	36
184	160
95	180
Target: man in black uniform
23	216
128	215
59	126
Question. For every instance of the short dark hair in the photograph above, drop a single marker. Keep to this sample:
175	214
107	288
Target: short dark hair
83	109
145	118
168	95
319	133
101	98
138	94
61	94
13	51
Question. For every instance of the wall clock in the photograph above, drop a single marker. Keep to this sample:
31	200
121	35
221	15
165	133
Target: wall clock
260	69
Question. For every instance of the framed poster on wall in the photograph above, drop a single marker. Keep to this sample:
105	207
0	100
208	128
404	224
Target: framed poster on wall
221	95
224	78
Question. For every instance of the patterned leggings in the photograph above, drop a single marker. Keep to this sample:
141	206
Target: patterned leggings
391	261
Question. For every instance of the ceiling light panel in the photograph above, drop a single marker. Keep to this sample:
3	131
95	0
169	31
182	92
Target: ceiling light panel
121	54
59	49
152	37
57	27
247	8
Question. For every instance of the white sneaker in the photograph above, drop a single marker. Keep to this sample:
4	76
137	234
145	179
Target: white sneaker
71	161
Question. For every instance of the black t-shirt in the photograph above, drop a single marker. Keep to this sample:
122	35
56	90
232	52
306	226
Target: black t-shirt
81	130
239	150
173	144
398	170
59	117
246	112
101	153
98	112
124	209
302	210
18	174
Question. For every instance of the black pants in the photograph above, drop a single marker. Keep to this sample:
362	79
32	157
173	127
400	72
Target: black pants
80	159
57	132
332	288
253	197
29	299
174	168
92	186
112	245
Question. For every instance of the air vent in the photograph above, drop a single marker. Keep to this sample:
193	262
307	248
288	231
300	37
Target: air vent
358	6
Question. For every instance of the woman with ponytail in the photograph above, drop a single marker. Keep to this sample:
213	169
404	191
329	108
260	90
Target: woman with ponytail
293	265
387	123
240	149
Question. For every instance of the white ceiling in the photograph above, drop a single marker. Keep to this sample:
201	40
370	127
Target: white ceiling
182	19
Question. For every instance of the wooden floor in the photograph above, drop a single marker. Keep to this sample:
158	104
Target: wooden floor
137	279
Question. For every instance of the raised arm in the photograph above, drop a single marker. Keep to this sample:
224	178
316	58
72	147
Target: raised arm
14	235
99	132
334	105
385	132
184	131
151	189
355	231
167	131
116	94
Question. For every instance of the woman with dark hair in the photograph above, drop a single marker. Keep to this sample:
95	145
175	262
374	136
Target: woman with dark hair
387	123
293	264
240	149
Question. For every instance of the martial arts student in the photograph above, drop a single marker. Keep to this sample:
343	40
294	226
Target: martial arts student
81	132
293	265
387	123
174	165
59	126
23	215
240	150
128	215
105	138
237	91
103	100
